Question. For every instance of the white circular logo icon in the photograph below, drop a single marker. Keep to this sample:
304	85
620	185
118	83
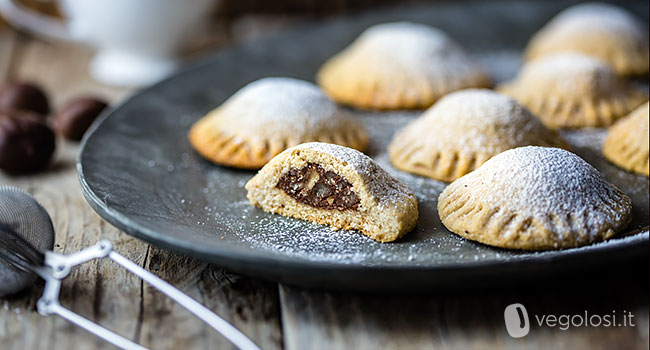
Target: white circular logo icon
516	318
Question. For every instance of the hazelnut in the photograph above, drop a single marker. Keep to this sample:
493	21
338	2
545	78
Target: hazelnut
74	118
26	142
24	96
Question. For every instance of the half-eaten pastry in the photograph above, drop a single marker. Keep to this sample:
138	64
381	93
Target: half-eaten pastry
336	186
534	198
462	131
268	116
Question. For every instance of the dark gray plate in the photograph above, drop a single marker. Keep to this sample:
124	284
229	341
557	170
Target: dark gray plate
138	171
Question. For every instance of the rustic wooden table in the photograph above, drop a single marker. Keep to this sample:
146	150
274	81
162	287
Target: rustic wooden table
274	316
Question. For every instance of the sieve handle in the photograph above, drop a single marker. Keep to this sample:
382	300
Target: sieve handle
48	304
58	266
219	324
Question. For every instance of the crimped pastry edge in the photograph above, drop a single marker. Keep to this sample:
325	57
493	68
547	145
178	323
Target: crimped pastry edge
557	113
347	86
468	217
620	149
448	164
240	152
628	64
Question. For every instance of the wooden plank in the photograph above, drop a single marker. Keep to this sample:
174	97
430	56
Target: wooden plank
101	291
453	320
252	306
96	290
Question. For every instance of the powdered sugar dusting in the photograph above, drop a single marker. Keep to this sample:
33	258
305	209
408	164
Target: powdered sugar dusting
570	72
598	17
429	243
283	104
416	49
414	39
568	64
539	181
477	120
382	185
481	107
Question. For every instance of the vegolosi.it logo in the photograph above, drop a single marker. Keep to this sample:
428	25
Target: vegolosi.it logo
518	322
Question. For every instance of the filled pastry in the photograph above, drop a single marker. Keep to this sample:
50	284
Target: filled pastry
398	66
462	131
626	144
569	90
534	198
268	116
603	31
336	186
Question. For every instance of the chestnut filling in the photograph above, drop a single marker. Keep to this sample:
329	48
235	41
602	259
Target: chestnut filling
320	188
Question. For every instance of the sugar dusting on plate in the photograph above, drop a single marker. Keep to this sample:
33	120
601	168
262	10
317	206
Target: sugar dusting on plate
428	242
414	49
281	105
597	17
538	181
477	120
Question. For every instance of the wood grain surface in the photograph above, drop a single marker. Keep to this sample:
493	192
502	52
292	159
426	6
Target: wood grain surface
102	291
274	316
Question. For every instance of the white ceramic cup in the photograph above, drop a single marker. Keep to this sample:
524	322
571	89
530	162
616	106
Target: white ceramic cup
138	41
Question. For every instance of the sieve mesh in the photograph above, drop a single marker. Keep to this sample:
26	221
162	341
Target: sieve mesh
22	214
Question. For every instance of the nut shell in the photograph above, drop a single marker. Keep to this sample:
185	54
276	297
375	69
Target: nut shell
74	118
24	96
26	142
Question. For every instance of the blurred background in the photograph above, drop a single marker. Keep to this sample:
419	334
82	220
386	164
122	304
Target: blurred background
180	32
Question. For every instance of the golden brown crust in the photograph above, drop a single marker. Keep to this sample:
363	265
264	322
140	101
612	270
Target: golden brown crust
268	116
505	228
462	131
626	144
573	91
399	66
445	165
534	198
247	153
